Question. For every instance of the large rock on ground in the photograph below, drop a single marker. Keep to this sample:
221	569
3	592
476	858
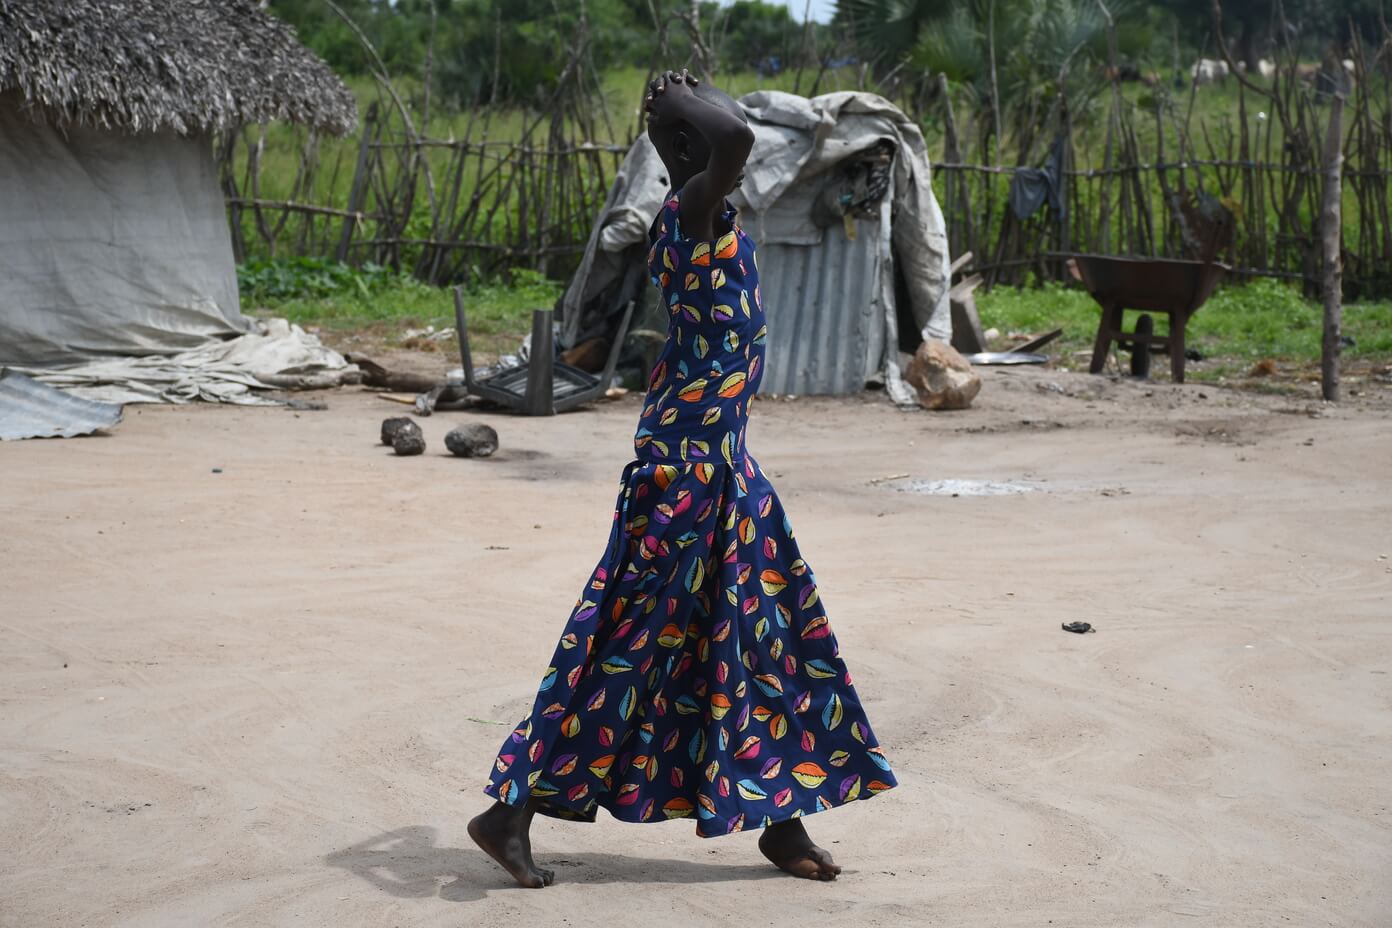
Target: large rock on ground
474	440
408	440
943	378
393	425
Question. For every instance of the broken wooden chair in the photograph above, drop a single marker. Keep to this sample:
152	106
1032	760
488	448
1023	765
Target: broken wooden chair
543	385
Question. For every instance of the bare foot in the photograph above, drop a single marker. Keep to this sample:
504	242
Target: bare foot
504	834
790	848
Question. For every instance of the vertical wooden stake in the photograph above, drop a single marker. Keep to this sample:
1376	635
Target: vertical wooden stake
1331	227
355	193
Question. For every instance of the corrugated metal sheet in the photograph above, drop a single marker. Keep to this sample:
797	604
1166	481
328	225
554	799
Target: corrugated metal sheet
830	310
29	409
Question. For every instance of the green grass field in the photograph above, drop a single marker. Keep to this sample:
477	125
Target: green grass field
1235	329
1238	327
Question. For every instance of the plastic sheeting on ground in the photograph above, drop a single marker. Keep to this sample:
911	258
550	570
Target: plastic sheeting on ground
29	409
276	355
833	321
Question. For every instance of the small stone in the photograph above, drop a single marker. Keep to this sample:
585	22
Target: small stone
408	440
392	425
943	378
474	440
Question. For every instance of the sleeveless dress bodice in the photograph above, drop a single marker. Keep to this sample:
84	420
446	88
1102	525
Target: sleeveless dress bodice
705	379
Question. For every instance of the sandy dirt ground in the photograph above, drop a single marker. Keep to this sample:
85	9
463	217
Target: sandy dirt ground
269	696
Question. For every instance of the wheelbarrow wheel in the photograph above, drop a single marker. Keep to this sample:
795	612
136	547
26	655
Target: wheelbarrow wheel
1140	346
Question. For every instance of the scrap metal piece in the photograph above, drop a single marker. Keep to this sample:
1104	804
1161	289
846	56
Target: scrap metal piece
30	409
1007	357
967	336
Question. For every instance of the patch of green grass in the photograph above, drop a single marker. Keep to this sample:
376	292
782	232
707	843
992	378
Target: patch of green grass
1038	310
313	292
1264	319
1236	327
406	302
1370	326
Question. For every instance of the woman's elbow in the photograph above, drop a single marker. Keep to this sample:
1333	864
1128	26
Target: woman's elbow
739	137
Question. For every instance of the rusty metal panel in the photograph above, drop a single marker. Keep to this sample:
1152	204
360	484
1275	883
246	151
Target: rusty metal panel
828	329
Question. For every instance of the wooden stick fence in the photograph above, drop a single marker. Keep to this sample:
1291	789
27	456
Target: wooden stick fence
441	209
1266	163
450	209
528	202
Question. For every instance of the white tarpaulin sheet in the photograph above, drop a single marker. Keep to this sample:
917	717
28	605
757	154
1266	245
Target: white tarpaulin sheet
239	370
110	244
837	331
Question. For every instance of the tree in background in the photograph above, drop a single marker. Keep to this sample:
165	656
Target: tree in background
513	51
1011	58
758	36
1248	24
482	50
900	33
887	30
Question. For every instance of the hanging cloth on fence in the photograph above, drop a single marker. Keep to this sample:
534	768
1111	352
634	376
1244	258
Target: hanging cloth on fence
1030	188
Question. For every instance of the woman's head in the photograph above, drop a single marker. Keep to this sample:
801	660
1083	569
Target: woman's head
684	151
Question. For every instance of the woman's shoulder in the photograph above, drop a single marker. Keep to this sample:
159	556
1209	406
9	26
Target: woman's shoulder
664	224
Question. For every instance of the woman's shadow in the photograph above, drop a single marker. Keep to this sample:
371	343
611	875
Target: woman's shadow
408	863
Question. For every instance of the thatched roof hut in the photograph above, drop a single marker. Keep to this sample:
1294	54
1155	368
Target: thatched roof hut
114	236
149	65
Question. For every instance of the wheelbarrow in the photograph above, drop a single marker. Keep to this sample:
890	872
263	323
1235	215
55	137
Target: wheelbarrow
1152	285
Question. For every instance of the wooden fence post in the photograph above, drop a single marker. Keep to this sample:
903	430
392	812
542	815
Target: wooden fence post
355	193
1331	229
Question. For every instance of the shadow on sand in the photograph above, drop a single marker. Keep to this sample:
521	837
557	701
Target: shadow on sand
408	863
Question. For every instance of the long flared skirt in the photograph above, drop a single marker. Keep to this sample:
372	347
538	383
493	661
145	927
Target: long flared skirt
697	676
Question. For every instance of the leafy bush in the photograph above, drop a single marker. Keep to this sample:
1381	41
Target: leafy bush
274	280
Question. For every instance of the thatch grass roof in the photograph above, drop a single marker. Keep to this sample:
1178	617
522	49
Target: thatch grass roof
186	65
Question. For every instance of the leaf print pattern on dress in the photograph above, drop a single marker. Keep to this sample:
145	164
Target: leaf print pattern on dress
698	675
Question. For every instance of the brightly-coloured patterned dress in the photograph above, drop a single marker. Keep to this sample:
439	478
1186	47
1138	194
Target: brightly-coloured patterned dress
697	676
